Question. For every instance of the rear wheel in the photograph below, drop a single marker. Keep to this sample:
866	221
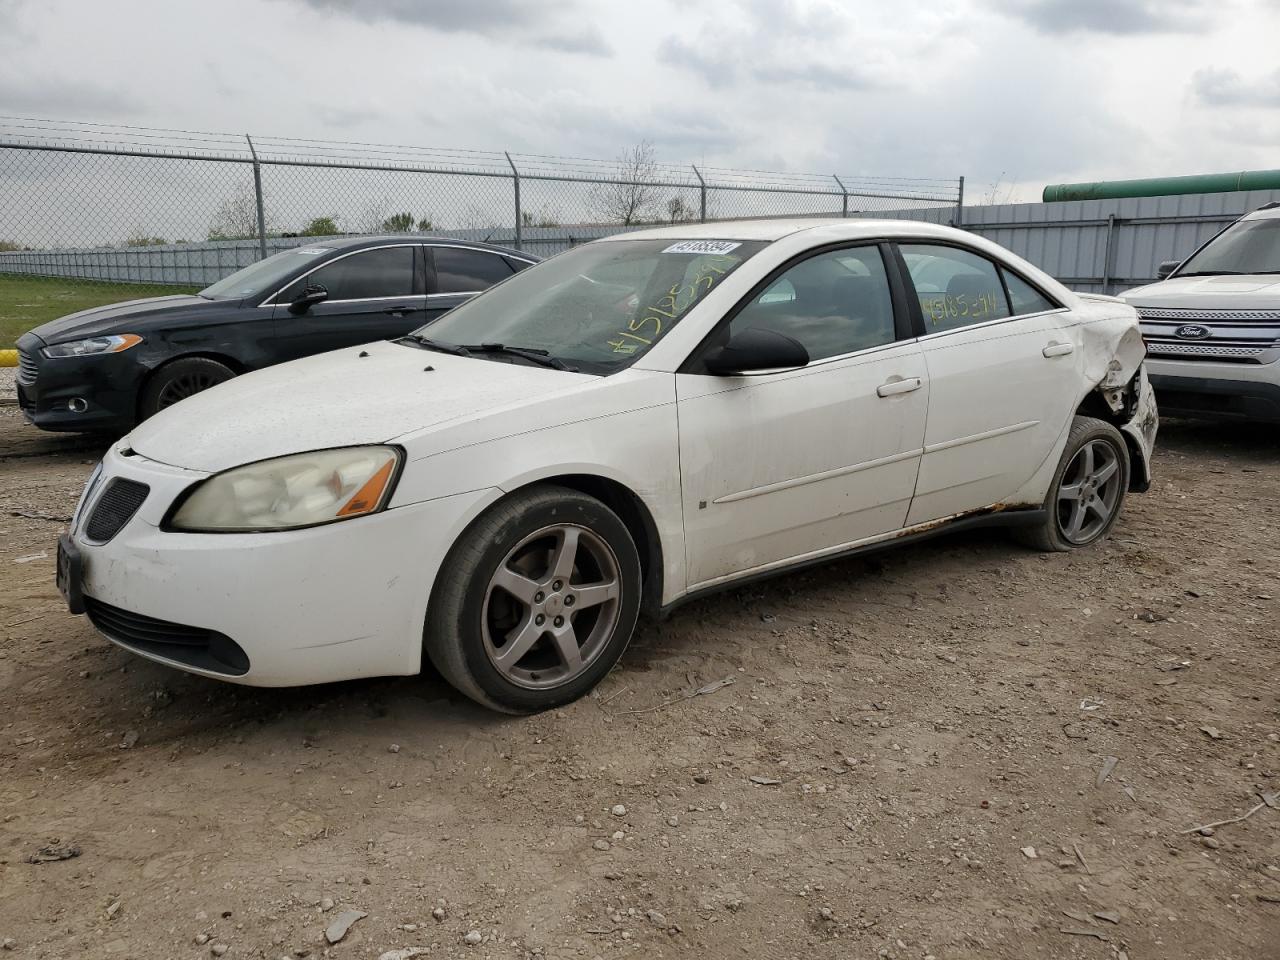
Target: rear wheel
181	379
536	601
1087	490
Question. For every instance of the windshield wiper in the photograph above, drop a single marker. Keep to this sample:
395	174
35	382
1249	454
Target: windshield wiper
439	346
532	354
1213	273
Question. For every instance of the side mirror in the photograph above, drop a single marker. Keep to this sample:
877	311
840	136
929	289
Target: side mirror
1166	268
307	299
754	350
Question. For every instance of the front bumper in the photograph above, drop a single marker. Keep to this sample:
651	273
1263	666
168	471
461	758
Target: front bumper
108	384
318	605
1226	391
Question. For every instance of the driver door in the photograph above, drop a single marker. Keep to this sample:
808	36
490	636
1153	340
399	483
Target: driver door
375	294
780	466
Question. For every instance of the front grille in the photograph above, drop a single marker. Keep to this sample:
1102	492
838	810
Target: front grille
177	642
1191	315
27	368
1205	351
118	503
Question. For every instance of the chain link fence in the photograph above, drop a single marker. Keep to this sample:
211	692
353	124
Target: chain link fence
147	206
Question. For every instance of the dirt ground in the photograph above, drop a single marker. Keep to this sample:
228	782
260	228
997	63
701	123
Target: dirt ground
926	730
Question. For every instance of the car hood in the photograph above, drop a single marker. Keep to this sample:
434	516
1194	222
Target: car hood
127	317
1259	292
369	394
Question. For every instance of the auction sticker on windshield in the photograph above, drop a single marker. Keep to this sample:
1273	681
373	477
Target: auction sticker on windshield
702	246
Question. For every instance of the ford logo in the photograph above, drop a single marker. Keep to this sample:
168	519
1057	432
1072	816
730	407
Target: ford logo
1191	331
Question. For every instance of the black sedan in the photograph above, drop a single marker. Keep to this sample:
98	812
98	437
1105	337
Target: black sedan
110	367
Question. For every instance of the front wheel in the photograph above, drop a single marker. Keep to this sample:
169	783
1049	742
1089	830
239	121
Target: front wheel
536	601
1087	490
180	379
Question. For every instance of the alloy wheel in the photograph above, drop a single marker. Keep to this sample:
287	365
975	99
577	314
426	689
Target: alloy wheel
186	385
1089	492
551	606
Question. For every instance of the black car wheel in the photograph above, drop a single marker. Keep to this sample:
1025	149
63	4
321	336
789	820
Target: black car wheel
535	602
181	379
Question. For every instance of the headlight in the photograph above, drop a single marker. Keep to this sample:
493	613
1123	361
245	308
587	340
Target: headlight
296	491
86	348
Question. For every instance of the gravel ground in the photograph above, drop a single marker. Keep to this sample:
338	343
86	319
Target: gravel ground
958	750
8	385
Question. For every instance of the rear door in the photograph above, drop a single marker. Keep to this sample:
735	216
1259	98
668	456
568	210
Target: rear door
456	274
374	294
1001	373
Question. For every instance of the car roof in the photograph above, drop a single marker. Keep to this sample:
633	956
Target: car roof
363	242
837	228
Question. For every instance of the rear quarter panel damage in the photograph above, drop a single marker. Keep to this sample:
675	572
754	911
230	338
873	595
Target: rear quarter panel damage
1112	364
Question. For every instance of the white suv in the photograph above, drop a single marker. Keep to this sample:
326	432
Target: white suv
1212	326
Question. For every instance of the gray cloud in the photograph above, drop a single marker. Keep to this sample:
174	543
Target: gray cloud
1119	17
47	96
769	42
550	24
589	40
1224	87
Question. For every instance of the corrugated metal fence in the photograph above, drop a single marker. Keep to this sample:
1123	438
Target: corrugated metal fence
1106	246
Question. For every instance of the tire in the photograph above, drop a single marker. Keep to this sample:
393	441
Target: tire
483	631
178	380
1077	521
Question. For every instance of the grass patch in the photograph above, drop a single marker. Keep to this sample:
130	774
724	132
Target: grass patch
27	302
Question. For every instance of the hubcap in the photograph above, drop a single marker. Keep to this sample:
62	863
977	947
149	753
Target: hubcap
551	606
1089	492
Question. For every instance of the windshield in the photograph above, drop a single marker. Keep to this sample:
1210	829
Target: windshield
265	276
1250	246
597	307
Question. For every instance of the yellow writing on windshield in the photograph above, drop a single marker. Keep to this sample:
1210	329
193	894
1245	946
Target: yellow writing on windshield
648	324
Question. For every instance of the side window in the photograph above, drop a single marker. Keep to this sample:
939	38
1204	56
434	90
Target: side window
1024	297
517	265
956	288
467	271
833	303
384	272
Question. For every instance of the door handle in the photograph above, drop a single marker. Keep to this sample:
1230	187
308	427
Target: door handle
894	387
401	311
1057	350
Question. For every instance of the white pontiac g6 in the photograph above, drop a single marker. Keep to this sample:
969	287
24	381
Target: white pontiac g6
627	425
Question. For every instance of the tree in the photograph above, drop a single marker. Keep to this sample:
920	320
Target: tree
424	225
635	195
398	223
320	227
546	217
678	210
139	238
236	217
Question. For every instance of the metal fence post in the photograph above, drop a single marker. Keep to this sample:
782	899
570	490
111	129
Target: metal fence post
515	174
1106	254
844	197
960	205
702	190
257	193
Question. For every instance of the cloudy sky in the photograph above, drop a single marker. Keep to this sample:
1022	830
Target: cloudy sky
1011	93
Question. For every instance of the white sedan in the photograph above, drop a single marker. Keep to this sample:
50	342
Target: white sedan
632	423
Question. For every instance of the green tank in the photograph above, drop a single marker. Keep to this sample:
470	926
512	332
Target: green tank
1164	186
